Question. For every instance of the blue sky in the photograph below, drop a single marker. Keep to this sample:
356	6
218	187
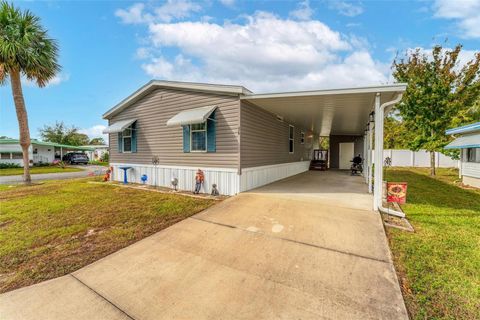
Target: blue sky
109	49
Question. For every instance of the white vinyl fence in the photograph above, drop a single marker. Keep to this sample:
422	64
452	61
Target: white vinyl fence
421	158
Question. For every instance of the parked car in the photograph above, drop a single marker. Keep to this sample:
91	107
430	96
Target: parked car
75	158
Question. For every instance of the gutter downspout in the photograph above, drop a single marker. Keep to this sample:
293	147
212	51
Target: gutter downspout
378	190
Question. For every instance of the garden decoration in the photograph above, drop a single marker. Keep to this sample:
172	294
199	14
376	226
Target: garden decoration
125	181
215	190
397	192
174	183
106	177
144	178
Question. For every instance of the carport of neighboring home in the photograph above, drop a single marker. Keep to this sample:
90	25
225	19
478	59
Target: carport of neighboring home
348	116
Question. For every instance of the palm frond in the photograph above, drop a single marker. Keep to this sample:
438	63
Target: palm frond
26	46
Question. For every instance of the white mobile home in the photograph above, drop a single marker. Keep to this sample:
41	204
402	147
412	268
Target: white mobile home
467	139
39	151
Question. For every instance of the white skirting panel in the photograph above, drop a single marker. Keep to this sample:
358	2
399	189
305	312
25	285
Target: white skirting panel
258	176
227	179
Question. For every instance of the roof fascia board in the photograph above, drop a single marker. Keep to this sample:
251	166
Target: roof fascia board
464	129
189	86
400	87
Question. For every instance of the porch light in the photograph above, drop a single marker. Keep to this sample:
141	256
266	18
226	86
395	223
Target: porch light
372	116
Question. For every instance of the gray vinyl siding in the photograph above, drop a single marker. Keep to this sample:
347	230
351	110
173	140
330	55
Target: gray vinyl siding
335	148
154	138
264	139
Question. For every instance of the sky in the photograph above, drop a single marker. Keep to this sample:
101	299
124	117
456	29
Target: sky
108	49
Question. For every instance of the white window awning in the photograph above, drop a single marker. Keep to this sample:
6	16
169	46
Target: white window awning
463	142
192	116
119	126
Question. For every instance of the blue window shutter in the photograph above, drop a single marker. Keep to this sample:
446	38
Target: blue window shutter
134	137
120	142
211	133
186	138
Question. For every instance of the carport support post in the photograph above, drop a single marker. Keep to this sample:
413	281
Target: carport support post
378	173
369	156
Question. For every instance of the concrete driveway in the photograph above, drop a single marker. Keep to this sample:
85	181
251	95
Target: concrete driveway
308	247
87	171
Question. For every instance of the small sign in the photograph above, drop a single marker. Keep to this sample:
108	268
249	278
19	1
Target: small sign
397	192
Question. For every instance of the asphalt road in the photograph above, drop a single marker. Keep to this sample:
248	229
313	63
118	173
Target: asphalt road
87	171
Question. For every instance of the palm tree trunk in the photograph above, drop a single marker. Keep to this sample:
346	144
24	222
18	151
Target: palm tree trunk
22	122
432	163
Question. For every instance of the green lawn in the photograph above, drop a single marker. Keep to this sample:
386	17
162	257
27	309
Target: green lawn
51	229
439	264
36	170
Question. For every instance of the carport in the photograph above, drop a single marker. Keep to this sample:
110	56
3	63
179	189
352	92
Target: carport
350	114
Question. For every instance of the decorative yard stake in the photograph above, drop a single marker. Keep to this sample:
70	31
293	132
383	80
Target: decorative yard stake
397	192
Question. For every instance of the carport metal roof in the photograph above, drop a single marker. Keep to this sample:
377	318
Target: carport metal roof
337	111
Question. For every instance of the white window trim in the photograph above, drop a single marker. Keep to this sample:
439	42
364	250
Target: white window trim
206	140
291	139
123	140
302	137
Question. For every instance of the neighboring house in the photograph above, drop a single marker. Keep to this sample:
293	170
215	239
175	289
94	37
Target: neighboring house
241	140
39	151
467	139
97	153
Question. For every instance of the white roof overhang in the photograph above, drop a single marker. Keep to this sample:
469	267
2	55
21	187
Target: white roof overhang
463	142
336	111
188	86
119	126
191	116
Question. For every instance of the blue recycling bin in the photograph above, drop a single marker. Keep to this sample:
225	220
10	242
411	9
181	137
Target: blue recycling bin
125	181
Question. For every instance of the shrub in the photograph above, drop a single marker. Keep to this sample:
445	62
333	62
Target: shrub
105	157
9	165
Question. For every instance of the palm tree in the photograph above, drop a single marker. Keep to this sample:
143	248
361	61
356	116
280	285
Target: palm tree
25	50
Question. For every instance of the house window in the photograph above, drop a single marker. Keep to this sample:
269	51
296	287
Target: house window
473	155
127	140
17	155
291	137
35	151
198	137
302	137
5	155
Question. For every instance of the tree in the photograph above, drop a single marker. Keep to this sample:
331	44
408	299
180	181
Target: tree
25	50
97	141
60	133
439	95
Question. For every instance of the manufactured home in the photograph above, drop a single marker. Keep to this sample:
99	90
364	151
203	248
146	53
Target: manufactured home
467	139
40	152
241	140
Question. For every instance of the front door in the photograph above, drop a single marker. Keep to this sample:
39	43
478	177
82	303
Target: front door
346	150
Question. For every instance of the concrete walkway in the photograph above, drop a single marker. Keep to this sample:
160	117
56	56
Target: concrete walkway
308	247
87	170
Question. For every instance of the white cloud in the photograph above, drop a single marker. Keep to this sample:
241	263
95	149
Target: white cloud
346	8
170	10
303	12
56	80
228	3
134	14
59	78
176	9
95	132
265	53
466	14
